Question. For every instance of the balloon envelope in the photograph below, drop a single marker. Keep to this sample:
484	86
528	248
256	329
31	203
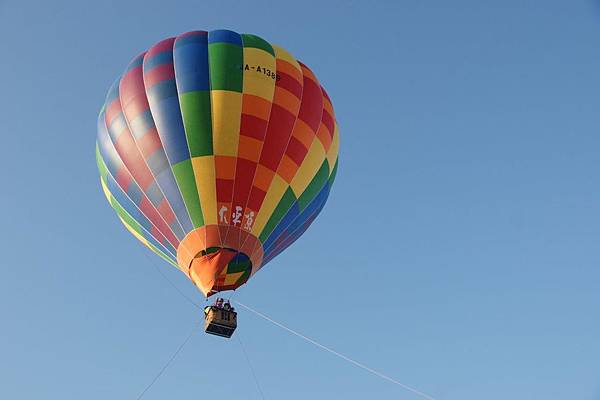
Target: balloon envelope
217	150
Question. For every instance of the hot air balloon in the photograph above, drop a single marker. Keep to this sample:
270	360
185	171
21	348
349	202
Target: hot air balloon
217	150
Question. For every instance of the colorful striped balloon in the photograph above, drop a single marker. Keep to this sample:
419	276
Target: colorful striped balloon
217	150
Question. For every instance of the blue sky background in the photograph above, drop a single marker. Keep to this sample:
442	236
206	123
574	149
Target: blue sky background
459	248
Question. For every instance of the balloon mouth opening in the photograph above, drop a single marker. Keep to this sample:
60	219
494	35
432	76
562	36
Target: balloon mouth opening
217	269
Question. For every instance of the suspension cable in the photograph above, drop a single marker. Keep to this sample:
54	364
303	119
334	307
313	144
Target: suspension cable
173	285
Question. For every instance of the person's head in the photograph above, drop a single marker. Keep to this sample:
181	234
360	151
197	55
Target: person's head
219	301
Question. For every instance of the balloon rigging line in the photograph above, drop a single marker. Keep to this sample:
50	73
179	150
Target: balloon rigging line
159	270
262	395
343	357
164	368
315	343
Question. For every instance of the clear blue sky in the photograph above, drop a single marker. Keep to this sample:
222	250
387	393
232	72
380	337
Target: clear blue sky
463	229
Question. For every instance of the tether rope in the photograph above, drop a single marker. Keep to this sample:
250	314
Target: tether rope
262	395
343	357
164	368
312	341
